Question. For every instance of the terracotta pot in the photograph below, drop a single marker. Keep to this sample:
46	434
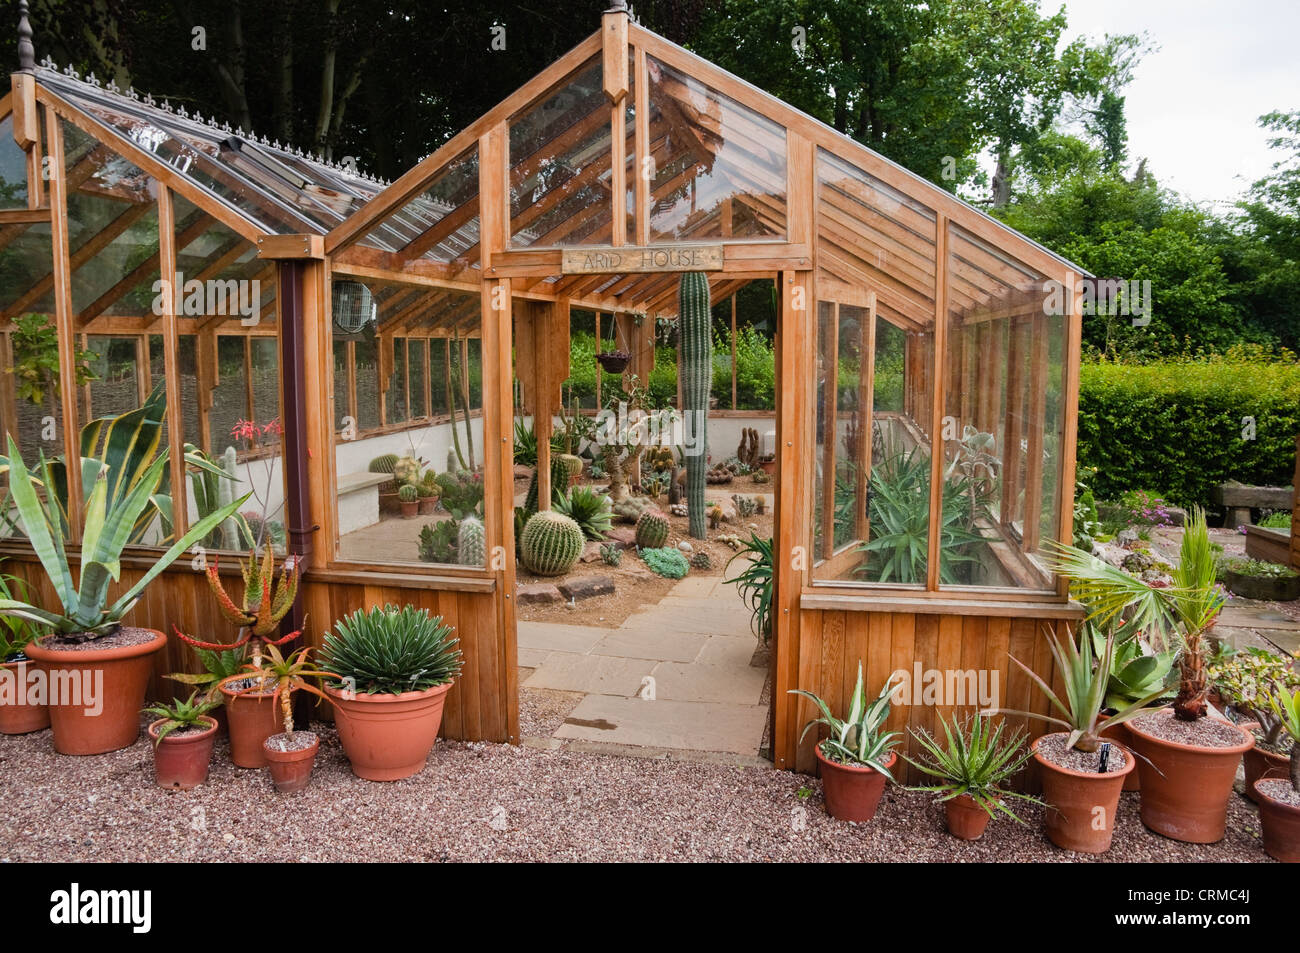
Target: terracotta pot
180	762
388	737
1280	826
1185	789
966	819
290	770
1132	780
1259	764
1073	798
410	509
17	717
118	675
251	719
852	792
769	466
427	505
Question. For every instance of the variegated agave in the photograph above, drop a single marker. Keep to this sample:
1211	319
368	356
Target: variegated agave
857	740
107	528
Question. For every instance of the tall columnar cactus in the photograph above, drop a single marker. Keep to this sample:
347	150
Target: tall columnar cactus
471	543
551	544
225	493
651	529
559	484
696	329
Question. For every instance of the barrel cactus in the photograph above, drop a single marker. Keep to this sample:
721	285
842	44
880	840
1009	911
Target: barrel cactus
551	543
651	529
407	493
572	463
696	330
383	464
702	560
471	542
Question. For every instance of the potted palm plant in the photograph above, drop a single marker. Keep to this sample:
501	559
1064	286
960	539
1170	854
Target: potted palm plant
22	707
182	736
106	664
1279	798
393	669
251	713
1188	762
972	768
289	754
1082	773
856	757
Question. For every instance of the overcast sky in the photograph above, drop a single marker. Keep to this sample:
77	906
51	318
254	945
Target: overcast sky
1193	104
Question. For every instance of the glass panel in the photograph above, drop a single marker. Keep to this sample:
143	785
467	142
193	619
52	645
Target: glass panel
719	167
442	222
13	168
560	167
376	526
116	386
1003	419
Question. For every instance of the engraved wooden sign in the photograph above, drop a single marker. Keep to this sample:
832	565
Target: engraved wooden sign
641	259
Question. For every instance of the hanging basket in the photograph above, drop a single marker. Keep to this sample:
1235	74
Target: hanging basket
353	305
614	362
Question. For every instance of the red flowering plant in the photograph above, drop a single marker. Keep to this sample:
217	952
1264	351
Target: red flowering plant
260	520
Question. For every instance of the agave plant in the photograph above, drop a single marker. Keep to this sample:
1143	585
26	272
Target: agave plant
1134	672
179	714
755	582
1086	678
391	650
106	531
976	760
266	601
282	675
589	509
1188	607
15	633
856	740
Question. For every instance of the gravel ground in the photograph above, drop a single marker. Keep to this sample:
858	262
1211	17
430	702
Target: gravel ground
499	802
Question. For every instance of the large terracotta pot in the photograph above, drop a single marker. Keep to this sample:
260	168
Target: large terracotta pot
17	717
290	770
852	792
250	719
119	675
1185	789
966	819
180	762
1080	812
388	737
1132	780
1280	826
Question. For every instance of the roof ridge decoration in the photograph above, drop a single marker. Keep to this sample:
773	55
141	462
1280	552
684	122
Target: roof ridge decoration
26	49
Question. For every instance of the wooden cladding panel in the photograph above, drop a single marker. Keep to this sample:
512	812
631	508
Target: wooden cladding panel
831	643
475	708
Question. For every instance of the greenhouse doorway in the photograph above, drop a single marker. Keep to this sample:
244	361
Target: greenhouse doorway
621	652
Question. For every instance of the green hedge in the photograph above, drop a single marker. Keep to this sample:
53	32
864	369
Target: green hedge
1177	427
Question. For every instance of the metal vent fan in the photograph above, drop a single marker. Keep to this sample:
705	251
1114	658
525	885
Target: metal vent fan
354	306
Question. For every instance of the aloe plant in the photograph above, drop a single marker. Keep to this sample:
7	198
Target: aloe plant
1134	673
180	714
106	531
857	739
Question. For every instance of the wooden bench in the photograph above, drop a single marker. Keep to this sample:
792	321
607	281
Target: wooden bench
358	500
1239	500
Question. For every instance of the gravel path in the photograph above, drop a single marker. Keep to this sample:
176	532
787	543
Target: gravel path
501	802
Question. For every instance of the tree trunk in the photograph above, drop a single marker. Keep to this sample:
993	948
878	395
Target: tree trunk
1002	178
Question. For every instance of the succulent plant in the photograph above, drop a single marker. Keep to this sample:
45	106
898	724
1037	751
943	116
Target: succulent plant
426	492
383	464
406	470
669	563
695	330
745	505
551	543
391	650
471	543
651	529
589	509
559	484
407	493
701	560
611	554
266	601
629	510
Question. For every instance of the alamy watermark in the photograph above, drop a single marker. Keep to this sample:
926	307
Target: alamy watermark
1103	297
623	427
232	297
66	688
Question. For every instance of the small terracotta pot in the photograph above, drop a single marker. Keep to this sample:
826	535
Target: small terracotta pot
114	721
388	737
427	505
251	719
1260	765
966	819
1080	812
1133	779
1279	825
1185	789
410	508
180	762
852	792
290	770
17	717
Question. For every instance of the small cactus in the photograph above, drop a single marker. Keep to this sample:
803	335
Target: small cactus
629	510
551	543
701	560
611	554
471	543
651	529
407	493
715	516
745	505
406	470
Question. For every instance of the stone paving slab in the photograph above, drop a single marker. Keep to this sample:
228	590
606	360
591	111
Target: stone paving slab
701	621
658	643
531	658
556	637
698	726
594	674
734	651
693	682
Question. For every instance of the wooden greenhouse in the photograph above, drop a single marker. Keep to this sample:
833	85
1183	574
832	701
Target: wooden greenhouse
922	347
